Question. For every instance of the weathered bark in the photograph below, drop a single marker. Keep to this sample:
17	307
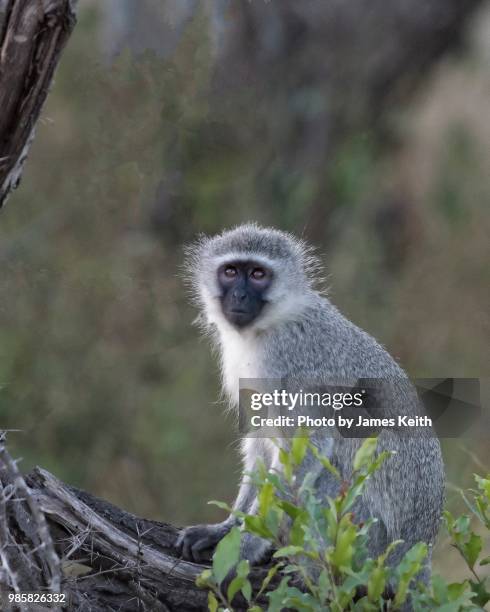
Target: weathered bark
28	560
137	556
55	538
32	36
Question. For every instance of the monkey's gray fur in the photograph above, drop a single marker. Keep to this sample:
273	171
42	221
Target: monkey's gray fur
301	335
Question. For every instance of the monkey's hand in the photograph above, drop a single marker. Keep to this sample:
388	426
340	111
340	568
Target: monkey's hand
193	541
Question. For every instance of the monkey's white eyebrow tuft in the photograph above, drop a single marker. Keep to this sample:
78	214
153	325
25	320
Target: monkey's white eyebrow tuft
242	256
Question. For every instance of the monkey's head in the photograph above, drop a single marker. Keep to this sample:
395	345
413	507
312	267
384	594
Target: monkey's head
250	276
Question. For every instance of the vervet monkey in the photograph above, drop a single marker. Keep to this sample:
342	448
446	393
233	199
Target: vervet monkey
256	289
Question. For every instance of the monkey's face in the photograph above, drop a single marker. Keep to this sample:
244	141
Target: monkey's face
243	286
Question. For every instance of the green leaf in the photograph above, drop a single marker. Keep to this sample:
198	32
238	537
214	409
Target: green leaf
212	602
289	551
331	515
352	582
243	568
416	554
456	589
376	583
235	585
297	531
472	549
449	607
240	582
204	578
365	453
255	524
341	556
408	568
325	461
382	558
247	590
285	459
448	518
299	447
353	493
270	575
483	484
276	481
439	588
483	510
482	594
289	508
221	505
266	497
273	521
324	586
462	524
226	554
278	596
378	462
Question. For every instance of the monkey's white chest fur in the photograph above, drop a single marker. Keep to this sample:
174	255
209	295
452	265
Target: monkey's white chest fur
240	358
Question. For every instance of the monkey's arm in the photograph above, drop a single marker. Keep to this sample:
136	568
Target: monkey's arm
194	540
246	496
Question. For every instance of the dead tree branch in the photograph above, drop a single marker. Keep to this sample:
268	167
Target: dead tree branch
28	560
32	36
55	538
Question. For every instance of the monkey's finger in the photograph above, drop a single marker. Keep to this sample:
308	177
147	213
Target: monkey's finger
180	541
199	546
184	541
187	548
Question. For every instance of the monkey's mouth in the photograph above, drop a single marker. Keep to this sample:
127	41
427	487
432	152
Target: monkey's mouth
240	317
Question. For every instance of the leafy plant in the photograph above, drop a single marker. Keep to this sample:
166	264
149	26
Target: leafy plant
468	543
327	550
324	546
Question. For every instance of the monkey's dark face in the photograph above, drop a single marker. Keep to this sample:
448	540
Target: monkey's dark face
243	285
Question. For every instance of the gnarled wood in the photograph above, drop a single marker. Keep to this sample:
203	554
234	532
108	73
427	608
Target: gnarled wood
32	36
109	558
131	561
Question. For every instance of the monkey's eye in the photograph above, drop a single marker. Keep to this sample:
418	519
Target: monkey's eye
258	274
230	272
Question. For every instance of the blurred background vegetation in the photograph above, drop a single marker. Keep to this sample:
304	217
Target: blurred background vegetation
168	119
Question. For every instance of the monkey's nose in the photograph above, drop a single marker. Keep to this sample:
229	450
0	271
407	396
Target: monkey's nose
239	295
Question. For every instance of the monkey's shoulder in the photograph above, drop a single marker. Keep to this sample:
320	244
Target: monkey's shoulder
323	341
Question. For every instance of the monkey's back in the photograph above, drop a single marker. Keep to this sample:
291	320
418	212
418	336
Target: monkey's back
407	493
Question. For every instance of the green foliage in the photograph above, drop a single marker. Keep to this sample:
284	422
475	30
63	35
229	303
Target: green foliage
468	543
327	550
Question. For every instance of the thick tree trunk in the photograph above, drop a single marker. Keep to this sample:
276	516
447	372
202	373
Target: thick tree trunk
32	36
